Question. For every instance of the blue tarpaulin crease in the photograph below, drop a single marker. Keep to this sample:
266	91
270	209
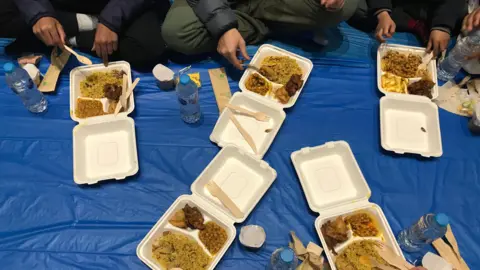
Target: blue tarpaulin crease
49	222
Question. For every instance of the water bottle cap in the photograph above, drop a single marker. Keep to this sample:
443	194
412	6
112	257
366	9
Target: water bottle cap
8	67
184	79
442	219
287	255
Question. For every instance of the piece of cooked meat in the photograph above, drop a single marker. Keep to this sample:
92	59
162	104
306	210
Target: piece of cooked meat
294	84
421	88
194	217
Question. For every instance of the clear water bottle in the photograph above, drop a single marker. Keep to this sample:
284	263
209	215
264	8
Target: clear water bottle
454	61
187	93
20	82
429	228
283	259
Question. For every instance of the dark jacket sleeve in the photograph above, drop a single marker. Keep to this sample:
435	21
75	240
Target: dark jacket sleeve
117	12
447	13
33	10
379	5
217	15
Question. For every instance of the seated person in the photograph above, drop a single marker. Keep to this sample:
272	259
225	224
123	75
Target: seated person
200	26
127	30
433	21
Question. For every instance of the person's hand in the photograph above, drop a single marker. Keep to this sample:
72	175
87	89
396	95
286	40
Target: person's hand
386	26
438	42
474	56
228	45
332	4
471	21
50	31
106	42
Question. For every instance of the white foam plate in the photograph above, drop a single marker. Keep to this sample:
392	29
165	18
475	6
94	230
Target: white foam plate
244	178
269	50
104	150
431	67
376	212
330	176
240	175
144	249
402	118
334	186
225	132
78	74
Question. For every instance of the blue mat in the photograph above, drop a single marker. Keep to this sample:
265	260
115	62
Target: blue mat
49	222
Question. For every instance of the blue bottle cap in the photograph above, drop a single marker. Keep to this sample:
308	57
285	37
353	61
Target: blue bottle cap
184	79
8	67
287	255
442	219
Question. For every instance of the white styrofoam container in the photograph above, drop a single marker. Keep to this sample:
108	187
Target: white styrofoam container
431	67
225	132
243	177
402	118
78	74
269	50
334	186
104	147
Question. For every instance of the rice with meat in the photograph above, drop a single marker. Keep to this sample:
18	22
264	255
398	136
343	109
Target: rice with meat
349	259
175	250
93	86
279	69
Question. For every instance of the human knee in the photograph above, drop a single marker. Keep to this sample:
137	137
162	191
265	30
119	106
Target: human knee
179	36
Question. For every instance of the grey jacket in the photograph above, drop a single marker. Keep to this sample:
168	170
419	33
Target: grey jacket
217	15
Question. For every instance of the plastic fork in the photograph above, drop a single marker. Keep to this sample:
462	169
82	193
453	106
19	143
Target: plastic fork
82	59
366	260
391	257
260	116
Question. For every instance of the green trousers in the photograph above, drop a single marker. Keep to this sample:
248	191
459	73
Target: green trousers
257	19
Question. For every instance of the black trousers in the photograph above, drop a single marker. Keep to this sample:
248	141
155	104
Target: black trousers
141	43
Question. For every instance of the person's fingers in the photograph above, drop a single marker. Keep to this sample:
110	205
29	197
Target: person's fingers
469	23
115	45
322	2
393	28
61	34
98	49
104	50
243	50
436	48
47	37
476	20
55	37
473	56
109	47
232	58
429	46
379	35
443	45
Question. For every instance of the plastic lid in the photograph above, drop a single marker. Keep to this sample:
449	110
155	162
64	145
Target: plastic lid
8	67
287	255
184	79
442	219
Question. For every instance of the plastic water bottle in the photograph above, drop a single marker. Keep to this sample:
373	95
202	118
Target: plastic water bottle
283	259
429	228
187	92
454	61
20	82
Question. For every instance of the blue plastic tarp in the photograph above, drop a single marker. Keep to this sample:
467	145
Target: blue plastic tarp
49	222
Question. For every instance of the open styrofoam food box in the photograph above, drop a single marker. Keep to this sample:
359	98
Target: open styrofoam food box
262	133
104	147
334	186
245	180
269	50
410	124
431	67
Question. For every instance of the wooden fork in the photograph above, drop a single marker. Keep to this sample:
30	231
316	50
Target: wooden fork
391	257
